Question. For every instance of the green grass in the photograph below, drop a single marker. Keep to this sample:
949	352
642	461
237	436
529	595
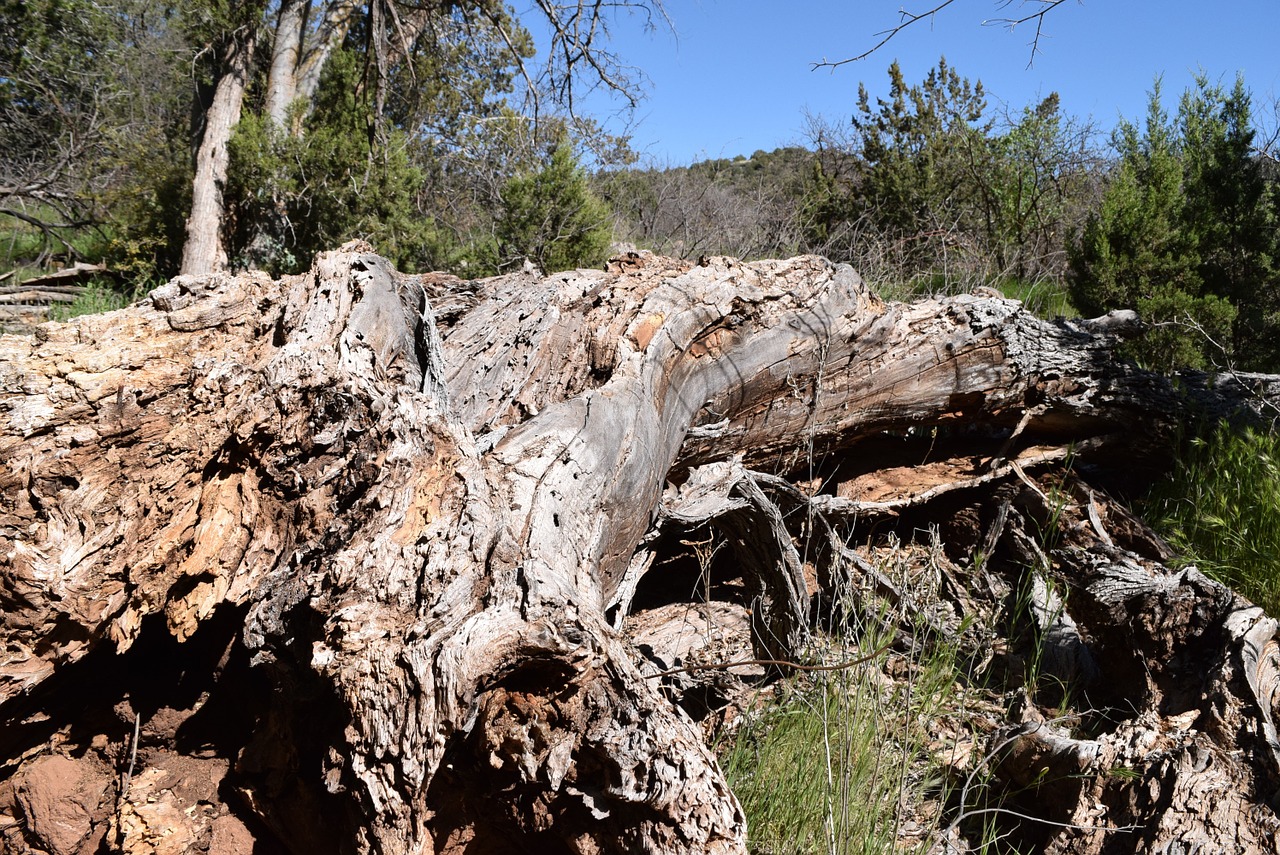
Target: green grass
22	244
99	296
831	767
1044	298
1221	509
96	298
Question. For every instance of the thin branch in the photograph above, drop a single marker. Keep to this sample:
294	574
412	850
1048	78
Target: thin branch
575	28
908	19
1046	6
495	18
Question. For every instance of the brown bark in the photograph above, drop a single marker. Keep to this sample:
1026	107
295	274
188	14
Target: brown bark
361	557
204	250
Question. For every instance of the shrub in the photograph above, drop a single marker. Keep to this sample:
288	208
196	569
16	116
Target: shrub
553	218
1185	234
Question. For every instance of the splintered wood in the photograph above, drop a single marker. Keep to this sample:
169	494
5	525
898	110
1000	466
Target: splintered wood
423	565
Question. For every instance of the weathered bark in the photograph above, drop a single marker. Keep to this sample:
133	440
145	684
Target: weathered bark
286	52
299	54
384	538
204	250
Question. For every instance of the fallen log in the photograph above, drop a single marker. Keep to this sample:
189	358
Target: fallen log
67	276
298	562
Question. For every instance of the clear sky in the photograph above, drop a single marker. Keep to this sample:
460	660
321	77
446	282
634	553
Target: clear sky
737	74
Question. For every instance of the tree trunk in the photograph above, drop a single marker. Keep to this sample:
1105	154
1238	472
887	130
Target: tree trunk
355	561
329	34
204	250
298	57
286	51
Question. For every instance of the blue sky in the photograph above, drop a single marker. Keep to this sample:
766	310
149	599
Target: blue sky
736	76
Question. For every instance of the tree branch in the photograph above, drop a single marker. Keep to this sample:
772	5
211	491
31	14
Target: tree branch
908	19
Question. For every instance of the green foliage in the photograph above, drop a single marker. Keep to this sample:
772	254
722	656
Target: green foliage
909	179
917	150
929	185
459	71
828	768
99	296
148	216
292	195
1232	215
399	154
1221	509
1045	298
553	217
47	77
52	107
1026	186
1186	235
842	759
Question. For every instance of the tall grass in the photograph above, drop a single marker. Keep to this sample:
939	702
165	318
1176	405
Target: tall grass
1221	509
839	762
1045	298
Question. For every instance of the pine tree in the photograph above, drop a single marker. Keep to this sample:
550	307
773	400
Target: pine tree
1231	215
1186	235
552	217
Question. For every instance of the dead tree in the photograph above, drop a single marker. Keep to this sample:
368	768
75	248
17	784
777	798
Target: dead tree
345	562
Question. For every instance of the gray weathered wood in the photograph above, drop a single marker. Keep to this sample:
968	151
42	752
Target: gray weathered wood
416	534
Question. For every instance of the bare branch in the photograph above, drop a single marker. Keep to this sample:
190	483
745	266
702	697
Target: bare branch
1046	6
907	19
577	30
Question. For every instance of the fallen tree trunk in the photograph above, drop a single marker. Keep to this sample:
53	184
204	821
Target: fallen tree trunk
346	561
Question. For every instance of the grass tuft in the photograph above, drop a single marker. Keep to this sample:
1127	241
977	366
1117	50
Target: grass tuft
845	762
1221	510
98	297
1044	298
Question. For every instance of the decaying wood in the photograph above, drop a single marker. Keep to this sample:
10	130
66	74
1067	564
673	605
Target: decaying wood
78	272
399	553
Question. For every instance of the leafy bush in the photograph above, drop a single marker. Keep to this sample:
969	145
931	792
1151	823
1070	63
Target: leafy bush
553	218
926	181
294	195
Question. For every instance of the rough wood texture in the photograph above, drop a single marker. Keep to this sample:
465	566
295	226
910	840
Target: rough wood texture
204	250
377	552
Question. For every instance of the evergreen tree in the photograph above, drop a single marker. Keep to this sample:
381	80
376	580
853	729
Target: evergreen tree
292	195
927	185
916	150
552	217
1185	234
1231	216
